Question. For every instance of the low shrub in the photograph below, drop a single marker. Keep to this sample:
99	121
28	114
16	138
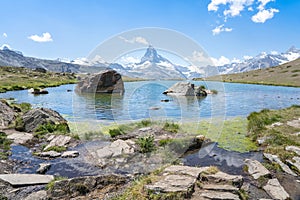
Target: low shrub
115	132
171	127
57	149
146	144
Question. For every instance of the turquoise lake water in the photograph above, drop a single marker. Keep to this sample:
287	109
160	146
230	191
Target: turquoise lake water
143	100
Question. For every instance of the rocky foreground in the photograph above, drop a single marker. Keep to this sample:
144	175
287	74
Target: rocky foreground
143	164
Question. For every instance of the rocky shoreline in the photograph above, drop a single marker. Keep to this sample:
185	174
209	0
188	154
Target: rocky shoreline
150	157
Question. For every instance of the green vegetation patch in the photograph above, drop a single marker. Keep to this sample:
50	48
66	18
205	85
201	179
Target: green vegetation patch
44	129
277	137
20	78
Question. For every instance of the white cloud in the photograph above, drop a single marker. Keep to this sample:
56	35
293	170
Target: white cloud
220	29
46	37
198	57
235	6
247	57
263	3
137	39
220	61
274	52
264	15
4	35
129	60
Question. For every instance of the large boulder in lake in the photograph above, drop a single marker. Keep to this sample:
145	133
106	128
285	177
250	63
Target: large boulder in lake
109	81
7	115
185	89
39	116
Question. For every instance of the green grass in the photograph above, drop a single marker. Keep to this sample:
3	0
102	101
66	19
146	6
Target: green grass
4	146
230	134
17	78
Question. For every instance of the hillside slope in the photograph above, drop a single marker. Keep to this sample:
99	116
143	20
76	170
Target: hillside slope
287	74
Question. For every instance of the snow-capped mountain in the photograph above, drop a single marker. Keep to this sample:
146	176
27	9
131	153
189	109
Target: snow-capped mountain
261	61
154	66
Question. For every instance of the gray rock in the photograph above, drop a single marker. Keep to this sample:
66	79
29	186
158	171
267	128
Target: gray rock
59	140
50	154
38	116
275	190
185	170
20	138
7	115
40	195
296	162
294	123
293	149
216	195
284	167
223	178
116	148
43	168
108	81
173	183
276	124
70	154
67	189
26	179
256	169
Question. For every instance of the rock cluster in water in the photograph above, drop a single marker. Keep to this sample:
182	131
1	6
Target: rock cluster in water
186	89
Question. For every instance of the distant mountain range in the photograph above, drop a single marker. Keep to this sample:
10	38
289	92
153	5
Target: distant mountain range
261	61
13	58
151	66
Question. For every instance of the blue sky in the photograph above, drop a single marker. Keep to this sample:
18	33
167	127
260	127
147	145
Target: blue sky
73	28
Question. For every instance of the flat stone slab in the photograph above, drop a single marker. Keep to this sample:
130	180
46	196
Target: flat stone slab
284	167
208	194
293	149
256	169
26	179
185	170
220	188
221	177
20	138
275	190
173	183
